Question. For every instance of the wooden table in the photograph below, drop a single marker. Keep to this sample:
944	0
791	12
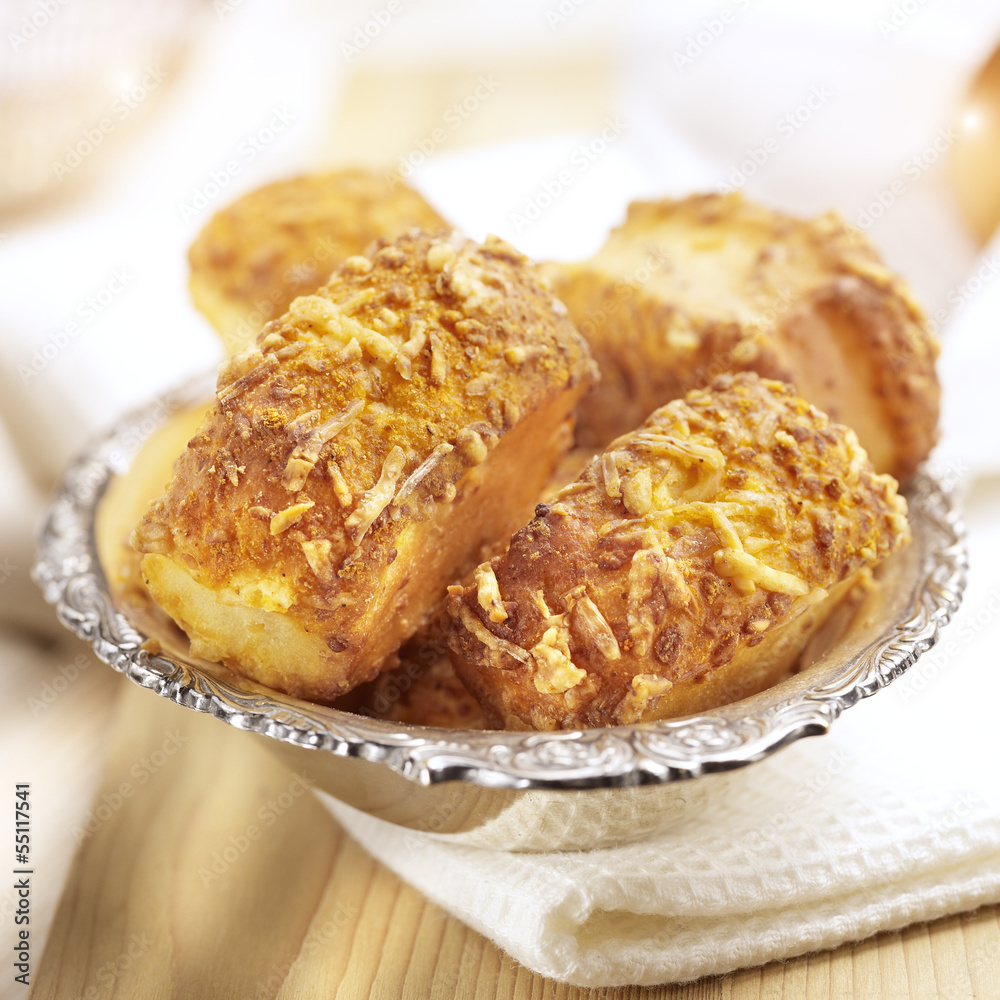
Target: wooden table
168	897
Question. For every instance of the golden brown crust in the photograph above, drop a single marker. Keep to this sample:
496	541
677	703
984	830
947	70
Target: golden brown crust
686	290
126	499
285	239
709	531
360	457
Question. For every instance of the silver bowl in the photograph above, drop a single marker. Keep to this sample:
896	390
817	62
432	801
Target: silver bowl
506	790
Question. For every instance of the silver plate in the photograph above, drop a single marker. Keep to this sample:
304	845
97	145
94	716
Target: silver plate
493	788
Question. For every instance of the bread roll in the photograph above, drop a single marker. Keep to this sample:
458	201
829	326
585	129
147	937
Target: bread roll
285	239
384	430
686	290
684	569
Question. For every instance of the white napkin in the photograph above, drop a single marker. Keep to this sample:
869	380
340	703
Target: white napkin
810	849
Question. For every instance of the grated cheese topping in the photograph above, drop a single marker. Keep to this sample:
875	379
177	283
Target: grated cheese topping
377	498
306	454
284	519
335	322
592	628
487	638
488	593
555	672
419	474
612	481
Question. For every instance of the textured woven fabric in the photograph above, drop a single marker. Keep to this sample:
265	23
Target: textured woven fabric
805	851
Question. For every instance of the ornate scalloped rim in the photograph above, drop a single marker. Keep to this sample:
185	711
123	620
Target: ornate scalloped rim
68	572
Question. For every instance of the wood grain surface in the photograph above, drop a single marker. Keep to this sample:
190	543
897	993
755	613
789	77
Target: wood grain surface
206	870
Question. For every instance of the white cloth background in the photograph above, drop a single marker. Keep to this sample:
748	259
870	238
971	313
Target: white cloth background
908	827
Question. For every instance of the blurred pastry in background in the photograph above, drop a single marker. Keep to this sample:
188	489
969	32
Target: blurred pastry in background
284	240
686	290
685	569
976	152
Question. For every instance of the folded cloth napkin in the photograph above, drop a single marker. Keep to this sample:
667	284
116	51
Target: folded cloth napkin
804	852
